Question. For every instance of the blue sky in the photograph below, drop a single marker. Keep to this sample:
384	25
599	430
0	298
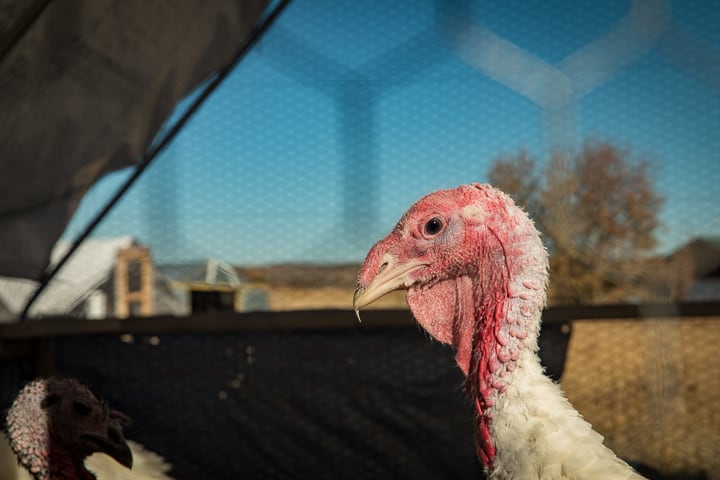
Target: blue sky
347	112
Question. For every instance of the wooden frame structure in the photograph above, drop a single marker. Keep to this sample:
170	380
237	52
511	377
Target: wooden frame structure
35	338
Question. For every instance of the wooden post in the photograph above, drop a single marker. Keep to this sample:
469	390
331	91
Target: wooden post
125	294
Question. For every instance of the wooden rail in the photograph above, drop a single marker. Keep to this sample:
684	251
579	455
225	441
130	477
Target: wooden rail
35	339
318	320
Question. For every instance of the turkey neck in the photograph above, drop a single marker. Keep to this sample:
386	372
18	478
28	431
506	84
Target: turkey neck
55	462
493	358
505	314
63	466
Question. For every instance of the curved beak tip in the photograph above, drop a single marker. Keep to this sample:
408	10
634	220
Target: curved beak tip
358	292
116	448
126	459
122	454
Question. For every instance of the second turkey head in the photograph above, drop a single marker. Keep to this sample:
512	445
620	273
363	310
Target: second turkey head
55	423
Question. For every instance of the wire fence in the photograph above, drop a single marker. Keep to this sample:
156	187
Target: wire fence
310	150
340	118
315	395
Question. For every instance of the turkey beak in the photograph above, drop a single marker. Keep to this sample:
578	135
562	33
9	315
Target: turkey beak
390	276
114	445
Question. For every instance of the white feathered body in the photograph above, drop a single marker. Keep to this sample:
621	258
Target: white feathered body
147	465
539	435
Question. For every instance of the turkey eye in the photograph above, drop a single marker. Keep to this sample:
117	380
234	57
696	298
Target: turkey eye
81	409
433	226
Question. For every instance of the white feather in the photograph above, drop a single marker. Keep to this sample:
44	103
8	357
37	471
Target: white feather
147	465
539	435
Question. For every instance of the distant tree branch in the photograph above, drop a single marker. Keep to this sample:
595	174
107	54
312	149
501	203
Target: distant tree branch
598	211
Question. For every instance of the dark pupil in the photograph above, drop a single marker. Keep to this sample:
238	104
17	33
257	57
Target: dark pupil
81	409
433	226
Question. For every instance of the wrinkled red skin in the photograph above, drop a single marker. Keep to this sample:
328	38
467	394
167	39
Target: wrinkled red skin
460	297
47	435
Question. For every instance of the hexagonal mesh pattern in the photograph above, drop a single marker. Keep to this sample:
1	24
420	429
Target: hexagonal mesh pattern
651	388
372	404
386	402
343	116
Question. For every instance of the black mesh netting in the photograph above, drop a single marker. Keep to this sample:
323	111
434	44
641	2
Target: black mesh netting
367	403
380	404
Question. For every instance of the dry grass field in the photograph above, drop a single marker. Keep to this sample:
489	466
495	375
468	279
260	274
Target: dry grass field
652	387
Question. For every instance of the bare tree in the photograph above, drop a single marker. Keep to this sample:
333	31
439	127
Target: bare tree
598	211
516	176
